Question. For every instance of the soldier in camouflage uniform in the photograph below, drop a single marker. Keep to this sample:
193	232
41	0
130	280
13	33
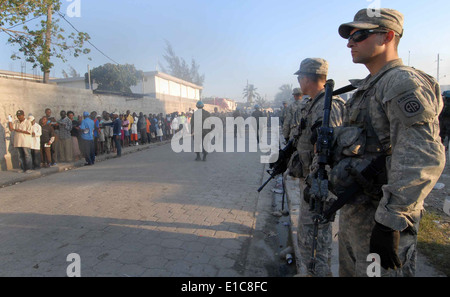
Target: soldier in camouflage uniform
393	114
283	113
312	77
293	115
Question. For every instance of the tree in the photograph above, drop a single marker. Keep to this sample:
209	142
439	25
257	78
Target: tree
72	73
250	93
262	102
284	95
116	78
179	68
47	40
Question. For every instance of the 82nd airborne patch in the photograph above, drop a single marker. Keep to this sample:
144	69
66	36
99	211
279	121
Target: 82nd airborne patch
410	106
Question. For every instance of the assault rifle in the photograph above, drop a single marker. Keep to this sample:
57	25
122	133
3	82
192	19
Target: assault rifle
281	165
319	183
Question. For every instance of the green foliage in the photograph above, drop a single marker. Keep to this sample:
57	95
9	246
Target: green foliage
179	68
250	93
116	78
284	95
47	39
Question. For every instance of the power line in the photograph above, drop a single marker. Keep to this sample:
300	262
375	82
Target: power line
62	16
25	22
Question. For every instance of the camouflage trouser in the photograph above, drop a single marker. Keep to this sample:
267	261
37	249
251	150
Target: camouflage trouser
355	229
305	239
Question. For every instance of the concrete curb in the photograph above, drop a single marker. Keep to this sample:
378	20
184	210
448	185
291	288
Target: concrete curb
13	177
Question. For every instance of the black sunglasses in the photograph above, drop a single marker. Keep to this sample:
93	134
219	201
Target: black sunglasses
362	35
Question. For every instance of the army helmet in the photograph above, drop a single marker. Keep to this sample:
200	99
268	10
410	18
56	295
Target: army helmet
446	94
200	104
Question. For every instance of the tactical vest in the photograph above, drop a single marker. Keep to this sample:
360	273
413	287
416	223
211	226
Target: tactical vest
359	148
356	145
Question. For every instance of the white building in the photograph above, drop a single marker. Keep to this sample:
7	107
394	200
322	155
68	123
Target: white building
155	84
160	85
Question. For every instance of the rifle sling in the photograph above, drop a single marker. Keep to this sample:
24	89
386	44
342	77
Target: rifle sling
344	90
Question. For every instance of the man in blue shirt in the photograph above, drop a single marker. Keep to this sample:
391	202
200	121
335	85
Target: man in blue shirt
117	132
87	139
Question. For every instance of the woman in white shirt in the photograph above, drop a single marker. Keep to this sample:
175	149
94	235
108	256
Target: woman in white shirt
35	143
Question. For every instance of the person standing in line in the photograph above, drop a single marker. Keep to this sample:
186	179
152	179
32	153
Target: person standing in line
134	130
117	133
35	143
159	131
75	134
107	132
47	139
175	124
117	128
65	138
22	129
55	146
126	133
142	128
87	139
148	131
101	136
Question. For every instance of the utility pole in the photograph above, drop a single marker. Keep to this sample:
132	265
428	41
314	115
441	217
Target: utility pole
89	77
48	36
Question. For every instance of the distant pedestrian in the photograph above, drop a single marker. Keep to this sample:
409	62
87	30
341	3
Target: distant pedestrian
200	131
47	139
126	134
36	132
107	132
159	131
174	125
65	138
101	136
148	124
257	114
117	133
22	129
87	139
142	128
75	134
134	130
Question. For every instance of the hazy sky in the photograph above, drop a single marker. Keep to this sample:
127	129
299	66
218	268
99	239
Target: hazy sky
262	41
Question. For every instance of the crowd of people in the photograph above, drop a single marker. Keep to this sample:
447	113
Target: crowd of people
48	140
44	141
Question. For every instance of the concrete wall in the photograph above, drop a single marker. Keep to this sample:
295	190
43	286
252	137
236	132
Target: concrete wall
35	97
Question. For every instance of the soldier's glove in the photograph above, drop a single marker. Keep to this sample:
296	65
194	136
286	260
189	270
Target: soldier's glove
384	242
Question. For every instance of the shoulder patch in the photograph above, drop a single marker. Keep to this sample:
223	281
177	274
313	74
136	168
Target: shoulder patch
410	106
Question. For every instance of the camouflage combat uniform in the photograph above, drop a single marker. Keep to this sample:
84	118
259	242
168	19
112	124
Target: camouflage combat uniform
393	113
313	116
292	120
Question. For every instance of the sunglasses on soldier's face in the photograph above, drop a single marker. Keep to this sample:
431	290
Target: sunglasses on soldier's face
362	35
